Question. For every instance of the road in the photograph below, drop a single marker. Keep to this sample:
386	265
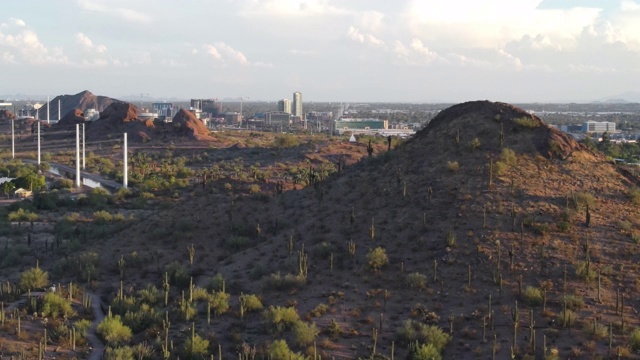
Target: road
95	177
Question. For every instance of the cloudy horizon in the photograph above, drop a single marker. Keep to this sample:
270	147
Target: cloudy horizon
350	50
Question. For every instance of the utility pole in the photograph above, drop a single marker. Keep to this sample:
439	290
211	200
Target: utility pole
48	107
38	142
59	110
13	140
125	169
83	157
78	156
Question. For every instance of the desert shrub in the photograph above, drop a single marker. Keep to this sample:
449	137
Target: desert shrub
598	332
452	241
584	272
216	283
424	352
118	353
287	282
82	327
625	225
279	350
286	141
573	302
304	333
508	156
199	294
113	331
474	144
196	347
526	122
417	280
412	331
62	184
122	194
54	306
178	274
582	199
563	226
532	296
219	302
149	295
187	310
634	195
377	258
634	339
333	329
102	217
147	195
251	302
319	310
453	166
34	278
567	317
280	318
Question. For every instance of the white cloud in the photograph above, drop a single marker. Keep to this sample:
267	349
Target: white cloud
371	21
297	8
418	47
213	52
18	22
363	38
30	49
87	45
111	9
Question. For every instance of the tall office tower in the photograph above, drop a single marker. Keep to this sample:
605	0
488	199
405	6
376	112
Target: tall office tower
297	104
284	105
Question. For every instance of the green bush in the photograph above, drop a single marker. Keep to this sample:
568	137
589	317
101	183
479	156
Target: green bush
287	282
425	352
178	274
377	258
251	302
102	217
54	306
82	327
219	302
216	283
417	280
34	279
196	347
453	166
634	340
119	353
527	122
584	272
280	318
279	350
634	195
113	331
304	333
582	199
412	331
573	302
508	156
532	296
286	141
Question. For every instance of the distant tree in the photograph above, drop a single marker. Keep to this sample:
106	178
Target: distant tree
377	258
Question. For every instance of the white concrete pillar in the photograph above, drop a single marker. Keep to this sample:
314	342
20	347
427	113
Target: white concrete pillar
38	142
125	170
78	184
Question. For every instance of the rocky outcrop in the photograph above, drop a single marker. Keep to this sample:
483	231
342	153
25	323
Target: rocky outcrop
73	117
187	125
83	100
6	114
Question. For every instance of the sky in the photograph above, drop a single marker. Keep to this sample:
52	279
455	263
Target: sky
330	50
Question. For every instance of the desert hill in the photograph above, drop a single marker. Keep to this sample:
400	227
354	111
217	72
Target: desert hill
83	101
484	207
190	126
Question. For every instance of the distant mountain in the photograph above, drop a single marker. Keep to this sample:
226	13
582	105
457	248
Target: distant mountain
623	98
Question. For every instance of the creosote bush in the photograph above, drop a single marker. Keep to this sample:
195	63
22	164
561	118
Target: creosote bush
34	279
532	296
412	331
114	331
305	333
526	122
280	318
279	350
634	340
453	166
634	195
377	258
417	280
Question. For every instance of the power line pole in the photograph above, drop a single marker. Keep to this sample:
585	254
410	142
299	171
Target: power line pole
78	156
125	165
13	140
38	142
83	157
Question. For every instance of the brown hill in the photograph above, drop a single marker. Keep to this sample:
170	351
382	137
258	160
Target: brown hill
190	126
118	118
495	228
73	117
83	100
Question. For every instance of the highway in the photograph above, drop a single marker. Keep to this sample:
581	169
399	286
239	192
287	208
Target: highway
94	177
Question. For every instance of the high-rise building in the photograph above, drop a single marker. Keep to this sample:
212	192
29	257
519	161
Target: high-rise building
284	105
297	104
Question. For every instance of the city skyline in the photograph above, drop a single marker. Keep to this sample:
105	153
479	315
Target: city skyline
354	50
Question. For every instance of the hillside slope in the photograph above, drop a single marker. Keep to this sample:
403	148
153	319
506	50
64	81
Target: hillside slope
484	203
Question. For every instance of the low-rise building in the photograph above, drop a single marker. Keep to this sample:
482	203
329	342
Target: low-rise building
598	126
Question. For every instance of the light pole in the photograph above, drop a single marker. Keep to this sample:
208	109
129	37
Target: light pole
242	117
